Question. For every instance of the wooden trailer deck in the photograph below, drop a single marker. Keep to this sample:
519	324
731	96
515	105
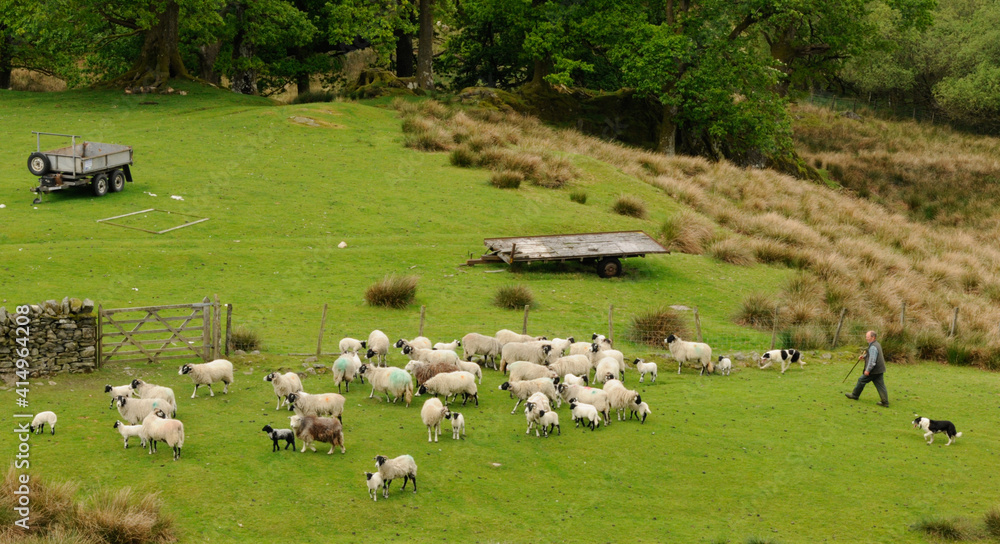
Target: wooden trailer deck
603	248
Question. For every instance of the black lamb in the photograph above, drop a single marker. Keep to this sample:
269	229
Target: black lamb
280	434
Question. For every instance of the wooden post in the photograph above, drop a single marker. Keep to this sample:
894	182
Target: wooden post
697	323
954	323
229	326
774	328
206	329
217	330
840	324
902	317
524	327
100	334
513	248
421	331
611	323
322	325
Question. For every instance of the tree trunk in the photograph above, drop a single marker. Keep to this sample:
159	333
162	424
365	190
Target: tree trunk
6	56
667	143
425	46
540	70
244	79
404	55
303	80
160	58
207	54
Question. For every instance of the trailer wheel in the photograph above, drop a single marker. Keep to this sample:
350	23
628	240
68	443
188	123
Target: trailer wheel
609	267
117	181
99	184
38	164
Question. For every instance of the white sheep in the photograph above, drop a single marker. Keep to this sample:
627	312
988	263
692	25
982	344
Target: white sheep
643	368
690	351
432	414
621	398
573	379
420	342
374	481
523	370
473	368
606	369
219	370
325	404
378	346
150	391
389	380
582	411
583	348
390	469
284	385
430	355
155	427
345	368
524	389
450	346
484	346
537	404
128	431
604	351
118	391
37	425
641	409
520	351
135	410
457	426
592	396
351	345
786	356
318	429
724	366
452	383
549	421
578	365
560	345
506	336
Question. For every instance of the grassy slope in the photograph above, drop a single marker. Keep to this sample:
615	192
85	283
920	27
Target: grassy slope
730	458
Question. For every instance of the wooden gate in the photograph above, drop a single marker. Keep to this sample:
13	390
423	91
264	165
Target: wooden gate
159	333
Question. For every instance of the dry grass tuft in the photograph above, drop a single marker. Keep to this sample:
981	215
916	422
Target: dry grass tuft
756	310
652	326
506	179
629	206
392	292
513	297
687	232
733	250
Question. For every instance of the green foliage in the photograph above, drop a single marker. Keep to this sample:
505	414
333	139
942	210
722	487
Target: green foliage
578	195
392	291
513	297
945	529
316	96
992	522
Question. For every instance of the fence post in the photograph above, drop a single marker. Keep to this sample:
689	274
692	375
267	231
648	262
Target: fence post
840	324
229	326
216	328
100	334
322	325
954	323
206	329
421	331
611	324
524	327
774	328
902	318
697	323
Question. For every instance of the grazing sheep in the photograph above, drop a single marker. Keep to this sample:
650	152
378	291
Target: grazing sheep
506	336
573	379
450	346
37	425
607	368
484	346
389	380
432	414
118	391
523	390
378	346
284	385
548	420
473	368
219	370
604	351
277	435
374	480
523	370
457	425
786	356
156	426
326	404
311	429
582	411
641	409
578	365
643	368
690	351
592	396
390	469
420	342
350	345
520	351
452	383
583	348
724	366
423	371
128	431
430	355
620	397
345	368
149	391
135	410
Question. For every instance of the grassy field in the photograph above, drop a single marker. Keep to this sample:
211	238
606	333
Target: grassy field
785	459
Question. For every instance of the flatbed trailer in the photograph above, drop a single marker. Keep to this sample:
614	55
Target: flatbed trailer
105	167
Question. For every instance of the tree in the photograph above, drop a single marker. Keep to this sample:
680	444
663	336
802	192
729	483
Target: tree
425	46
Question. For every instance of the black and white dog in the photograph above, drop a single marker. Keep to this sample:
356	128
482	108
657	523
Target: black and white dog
931	426
278	435
786	356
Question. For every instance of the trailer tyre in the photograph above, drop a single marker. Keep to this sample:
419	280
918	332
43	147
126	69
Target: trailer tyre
117	181
38	164
99	184
609	267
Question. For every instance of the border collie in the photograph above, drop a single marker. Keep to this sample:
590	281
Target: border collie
931	426
786	356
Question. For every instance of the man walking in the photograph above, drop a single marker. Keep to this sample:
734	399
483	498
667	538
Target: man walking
874	369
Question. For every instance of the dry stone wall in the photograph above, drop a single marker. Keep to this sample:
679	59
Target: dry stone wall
62	337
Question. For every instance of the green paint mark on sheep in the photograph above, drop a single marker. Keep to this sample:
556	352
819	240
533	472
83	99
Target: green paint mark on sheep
398	376
341	363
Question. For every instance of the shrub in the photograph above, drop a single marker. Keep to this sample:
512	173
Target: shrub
314	96
464	157
652	326
392	291
756	310
803	337
931	345
579	196
513	297
123	516
506	179
433	139
686	232
732	251
630	206
958	353
992	521
245	338
944	529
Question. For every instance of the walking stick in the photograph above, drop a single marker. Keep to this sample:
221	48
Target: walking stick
852	370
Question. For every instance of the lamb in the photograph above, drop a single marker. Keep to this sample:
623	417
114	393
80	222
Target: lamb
378	346
452	383
578	365
345	368
725	366
573	379
620	397
641	409
537	404
374	480
643	368
505	336
135	410
604	352
311	429
420	342
156	426
457	426
548	420
41	418
582	411
389	380
284	385
430	355
560	345
523	370
450	346
606	369
479	344
519	351
149	391
596	397
390	469
128	431
277	435
523	390
118	391
423	371
786	356
350	345
690	351
583	348
432	414
326	404
219	370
